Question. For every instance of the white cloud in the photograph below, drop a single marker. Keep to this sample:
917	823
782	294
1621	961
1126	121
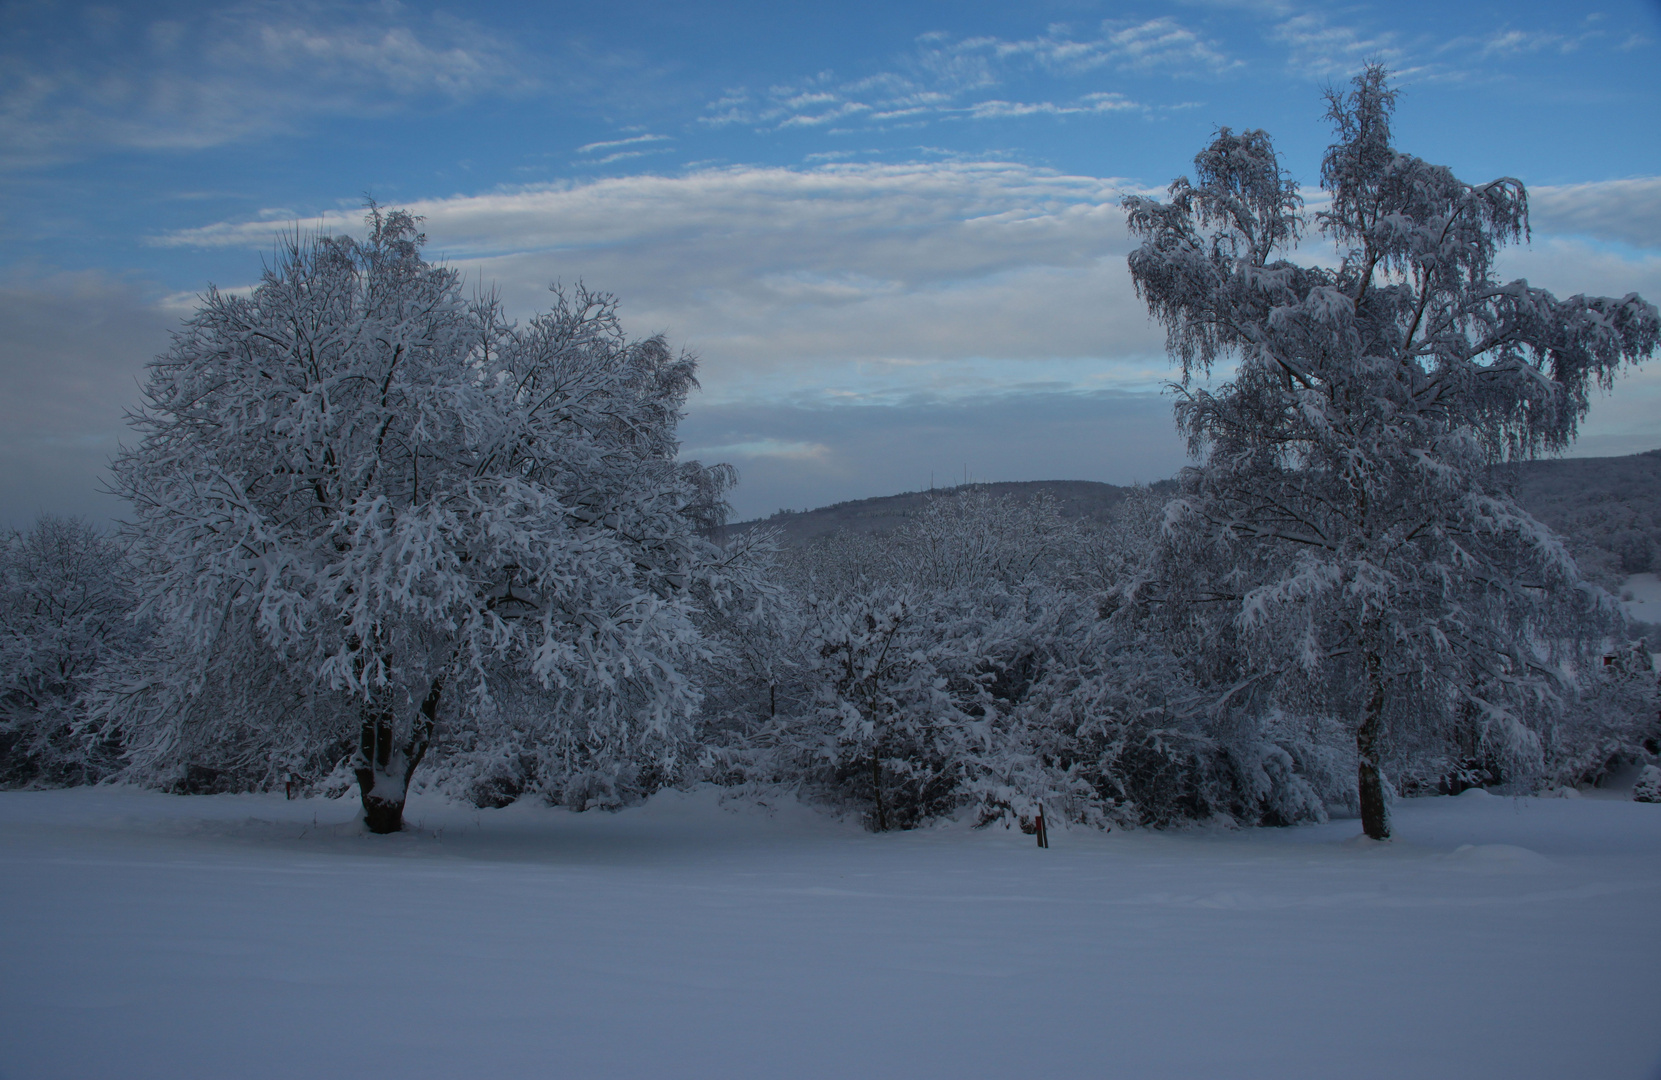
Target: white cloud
1089	103
841	298
1569	264
950	78
893	282
1515	42
1321	49
858	325
1162	43
614	144
1510	41
1321	46
625	155
1120	45
131	80
886	281
1623	211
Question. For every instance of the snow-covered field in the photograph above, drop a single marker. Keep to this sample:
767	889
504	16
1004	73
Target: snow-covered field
145	935
1641	596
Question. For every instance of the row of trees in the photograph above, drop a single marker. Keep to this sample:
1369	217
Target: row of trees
378	527
990	656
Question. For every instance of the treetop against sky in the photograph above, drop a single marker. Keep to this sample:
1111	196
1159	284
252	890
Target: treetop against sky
891	232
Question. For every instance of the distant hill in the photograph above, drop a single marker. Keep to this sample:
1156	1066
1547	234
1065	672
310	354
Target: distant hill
1086	499
1608	508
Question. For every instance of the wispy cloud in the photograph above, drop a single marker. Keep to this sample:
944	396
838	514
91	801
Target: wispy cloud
929	278
615	144
1626	212
933	278
952	78
127	79
1124	45
1324	43
1089	103
1593	30
1320	48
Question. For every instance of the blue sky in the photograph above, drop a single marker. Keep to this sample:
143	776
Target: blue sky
890	231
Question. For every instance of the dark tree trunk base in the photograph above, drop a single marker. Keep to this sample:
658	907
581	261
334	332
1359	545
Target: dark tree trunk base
382	816
384	768
1375	813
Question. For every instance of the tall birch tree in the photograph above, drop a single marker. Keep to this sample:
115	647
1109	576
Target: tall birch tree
1345	520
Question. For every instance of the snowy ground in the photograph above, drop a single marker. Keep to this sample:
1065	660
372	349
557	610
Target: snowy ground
145	935
1641	597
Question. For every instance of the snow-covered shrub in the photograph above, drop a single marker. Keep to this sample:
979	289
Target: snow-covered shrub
878	673
974	539
1119	711
65	603
1648	787
895	694
979	660
1612	720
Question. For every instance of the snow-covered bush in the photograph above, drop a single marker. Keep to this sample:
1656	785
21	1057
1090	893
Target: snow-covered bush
65	604
1611	722
368	511
1648	787
896	692
876	672
982	659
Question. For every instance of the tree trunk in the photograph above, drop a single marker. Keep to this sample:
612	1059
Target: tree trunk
876	786
383	768
1375	812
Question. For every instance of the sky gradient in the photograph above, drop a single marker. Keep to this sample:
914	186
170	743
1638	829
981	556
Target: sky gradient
890	232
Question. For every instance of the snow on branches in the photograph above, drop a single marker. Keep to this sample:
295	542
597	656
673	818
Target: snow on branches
384	496
1345	522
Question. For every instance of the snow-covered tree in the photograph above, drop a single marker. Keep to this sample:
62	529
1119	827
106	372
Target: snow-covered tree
1345	532
364	505
972	538
64	607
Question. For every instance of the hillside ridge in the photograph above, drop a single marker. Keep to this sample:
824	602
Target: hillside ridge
1607	508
